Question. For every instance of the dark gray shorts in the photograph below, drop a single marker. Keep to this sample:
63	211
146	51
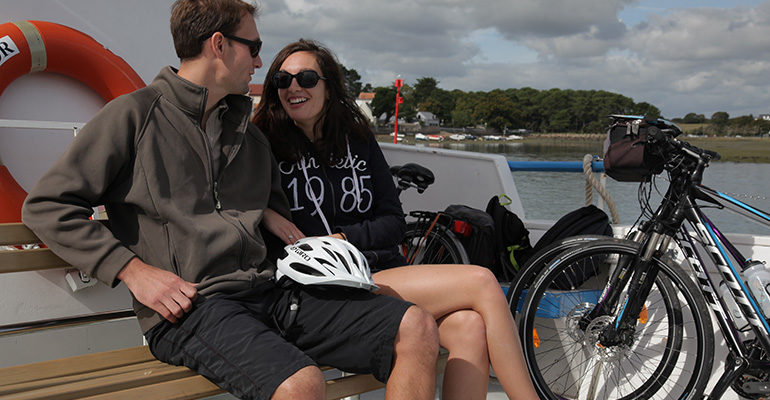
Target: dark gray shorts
235	341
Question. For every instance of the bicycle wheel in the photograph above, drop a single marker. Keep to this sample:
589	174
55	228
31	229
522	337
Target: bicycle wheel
537	263
438	245
669	355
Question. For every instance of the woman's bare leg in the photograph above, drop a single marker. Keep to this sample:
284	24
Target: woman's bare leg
442	289
464	334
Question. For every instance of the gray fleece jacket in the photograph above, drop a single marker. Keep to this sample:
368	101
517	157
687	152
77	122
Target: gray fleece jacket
145	157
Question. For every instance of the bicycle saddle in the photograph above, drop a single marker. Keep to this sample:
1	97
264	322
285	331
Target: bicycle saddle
414	174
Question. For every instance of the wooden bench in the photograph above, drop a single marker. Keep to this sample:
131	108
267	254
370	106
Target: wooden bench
131	373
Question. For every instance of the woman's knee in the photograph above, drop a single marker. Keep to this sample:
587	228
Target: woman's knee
463	330
485	282
481	276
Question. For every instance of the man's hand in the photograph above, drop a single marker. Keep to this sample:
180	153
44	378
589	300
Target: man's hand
281	227
162	291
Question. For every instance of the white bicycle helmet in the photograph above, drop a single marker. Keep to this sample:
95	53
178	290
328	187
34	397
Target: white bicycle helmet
325	261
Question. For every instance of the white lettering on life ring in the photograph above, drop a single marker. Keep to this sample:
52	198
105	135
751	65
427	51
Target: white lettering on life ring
8	49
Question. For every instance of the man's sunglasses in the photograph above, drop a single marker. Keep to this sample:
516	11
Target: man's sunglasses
254	45
305	79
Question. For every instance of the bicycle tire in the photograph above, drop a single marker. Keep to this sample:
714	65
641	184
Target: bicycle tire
677	362
438	245
537	263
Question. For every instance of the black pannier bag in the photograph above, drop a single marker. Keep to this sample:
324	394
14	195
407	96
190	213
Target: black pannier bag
587	220
475	230
628	154
495	239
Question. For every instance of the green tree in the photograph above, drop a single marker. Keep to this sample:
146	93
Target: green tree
440	102
719	121
720	117
465	105
646	109
384	102
693	118
352	81
762	127
424	88
560	121
497	111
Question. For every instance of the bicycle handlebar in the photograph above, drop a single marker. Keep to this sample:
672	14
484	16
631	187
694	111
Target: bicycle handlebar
672	145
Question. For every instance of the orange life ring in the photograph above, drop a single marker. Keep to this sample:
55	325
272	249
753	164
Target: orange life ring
33	46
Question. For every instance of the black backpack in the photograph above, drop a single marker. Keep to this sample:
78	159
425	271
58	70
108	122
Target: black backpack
588	220
512	245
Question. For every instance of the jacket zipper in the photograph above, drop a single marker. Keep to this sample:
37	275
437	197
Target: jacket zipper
215	192
218	206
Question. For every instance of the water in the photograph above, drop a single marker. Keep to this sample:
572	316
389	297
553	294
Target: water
550	195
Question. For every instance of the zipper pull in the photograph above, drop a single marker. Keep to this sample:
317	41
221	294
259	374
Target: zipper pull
216	196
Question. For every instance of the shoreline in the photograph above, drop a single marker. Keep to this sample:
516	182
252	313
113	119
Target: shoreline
732	149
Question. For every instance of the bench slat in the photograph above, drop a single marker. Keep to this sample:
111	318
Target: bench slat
16	233
193	387
146	367
74	365
350	385
29	260
107	384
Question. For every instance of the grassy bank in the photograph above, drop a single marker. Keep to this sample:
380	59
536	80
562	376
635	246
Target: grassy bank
755	150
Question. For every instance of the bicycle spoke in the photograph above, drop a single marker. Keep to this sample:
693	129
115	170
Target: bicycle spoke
660	356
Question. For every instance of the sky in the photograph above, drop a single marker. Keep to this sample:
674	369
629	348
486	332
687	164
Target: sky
680	55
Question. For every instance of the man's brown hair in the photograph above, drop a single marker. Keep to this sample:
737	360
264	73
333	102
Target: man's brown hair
193	21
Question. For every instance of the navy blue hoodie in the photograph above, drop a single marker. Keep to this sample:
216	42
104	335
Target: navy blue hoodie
356	196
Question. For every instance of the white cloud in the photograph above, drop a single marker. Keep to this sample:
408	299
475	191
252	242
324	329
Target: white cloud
682	60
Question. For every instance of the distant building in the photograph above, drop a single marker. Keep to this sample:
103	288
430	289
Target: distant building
364	102
427	118
765	117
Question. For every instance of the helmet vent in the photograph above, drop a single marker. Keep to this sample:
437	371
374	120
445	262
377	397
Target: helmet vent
299	267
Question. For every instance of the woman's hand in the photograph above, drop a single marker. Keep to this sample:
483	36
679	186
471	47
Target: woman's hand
281	227
339	236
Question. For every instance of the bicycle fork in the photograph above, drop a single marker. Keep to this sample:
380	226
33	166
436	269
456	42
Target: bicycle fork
639	275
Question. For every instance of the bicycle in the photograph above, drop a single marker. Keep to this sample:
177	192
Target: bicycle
530	270
635	324
429	237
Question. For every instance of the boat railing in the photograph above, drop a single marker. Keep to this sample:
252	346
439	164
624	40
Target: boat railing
589	167
29	124
20	251
53	323
554	166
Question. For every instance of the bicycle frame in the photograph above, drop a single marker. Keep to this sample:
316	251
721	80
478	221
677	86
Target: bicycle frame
729	262
725	261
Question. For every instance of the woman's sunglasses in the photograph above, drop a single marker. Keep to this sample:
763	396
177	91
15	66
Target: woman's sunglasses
305	79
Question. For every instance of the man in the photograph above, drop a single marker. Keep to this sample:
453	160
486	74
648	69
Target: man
185	179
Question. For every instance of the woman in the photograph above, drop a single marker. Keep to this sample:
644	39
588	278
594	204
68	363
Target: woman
338	184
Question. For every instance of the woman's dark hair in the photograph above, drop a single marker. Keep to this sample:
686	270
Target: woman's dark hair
340	116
